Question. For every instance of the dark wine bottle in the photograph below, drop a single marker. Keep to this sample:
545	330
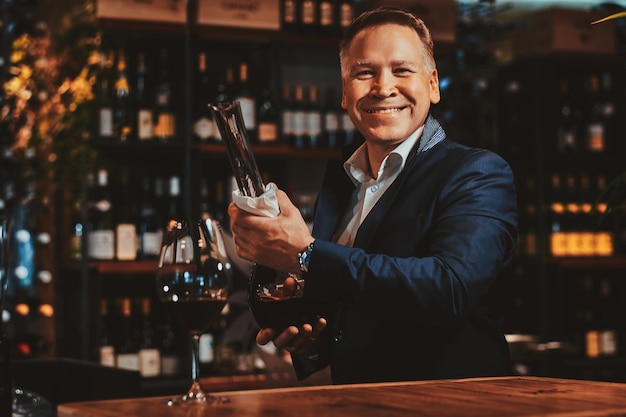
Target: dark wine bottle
273	310
271	303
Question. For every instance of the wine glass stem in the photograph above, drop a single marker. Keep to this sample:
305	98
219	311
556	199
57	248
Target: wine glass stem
195	358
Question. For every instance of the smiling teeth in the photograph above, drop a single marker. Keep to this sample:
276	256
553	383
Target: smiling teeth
384	111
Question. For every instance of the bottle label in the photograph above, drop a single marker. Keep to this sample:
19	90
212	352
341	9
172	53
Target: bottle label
106	122
203	128
314	123
287	122
165	127
149	362
248	110
145	128
107	355
299	123
126	242
170	365
128	361
268	132
101	244
151	243
331	122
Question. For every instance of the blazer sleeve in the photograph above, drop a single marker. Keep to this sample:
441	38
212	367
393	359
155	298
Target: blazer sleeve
469	224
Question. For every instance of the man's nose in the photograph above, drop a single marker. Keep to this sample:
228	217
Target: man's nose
384	85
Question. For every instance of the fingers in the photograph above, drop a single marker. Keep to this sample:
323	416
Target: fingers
293	339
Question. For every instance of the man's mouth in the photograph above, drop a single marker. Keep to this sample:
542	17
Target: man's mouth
384	111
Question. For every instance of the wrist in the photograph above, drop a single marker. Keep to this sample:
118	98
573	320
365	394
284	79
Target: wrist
304	258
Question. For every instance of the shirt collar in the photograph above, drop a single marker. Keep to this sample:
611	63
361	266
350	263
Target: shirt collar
357	166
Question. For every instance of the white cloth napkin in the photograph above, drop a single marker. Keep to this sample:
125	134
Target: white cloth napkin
264	205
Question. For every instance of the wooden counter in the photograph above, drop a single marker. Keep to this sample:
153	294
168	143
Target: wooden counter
480	397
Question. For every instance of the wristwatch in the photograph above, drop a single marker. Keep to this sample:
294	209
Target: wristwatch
304	258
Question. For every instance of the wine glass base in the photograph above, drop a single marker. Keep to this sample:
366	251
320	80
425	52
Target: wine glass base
184	400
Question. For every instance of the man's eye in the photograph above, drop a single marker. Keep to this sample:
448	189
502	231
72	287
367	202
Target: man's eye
402	71
364	74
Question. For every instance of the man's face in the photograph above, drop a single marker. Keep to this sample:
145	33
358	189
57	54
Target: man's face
387	90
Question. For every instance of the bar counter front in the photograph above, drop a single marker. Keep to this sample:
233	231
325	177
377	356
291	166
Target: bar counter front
480	397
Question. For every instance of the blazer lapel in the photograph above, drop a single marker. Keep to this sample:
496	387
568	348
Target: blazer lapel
370	225
332	201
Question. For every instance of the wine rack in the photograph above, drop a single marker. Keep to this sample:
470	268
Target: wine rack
561	117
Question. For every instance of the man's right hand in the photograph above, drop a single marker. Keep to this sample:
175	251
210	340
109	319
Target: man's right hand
293	339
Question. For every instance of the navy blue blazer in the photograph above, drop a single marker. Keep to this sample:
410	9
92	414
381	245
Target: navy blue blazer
420	295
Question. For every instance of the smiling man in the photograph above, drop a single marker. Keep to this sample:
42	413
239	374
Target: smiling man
411	231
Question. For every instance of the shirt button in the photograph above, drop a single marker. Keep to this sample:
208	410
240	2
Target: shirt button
374	188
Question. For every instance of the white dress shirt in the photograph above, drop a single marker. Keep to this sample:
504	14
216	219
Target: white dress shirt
369	190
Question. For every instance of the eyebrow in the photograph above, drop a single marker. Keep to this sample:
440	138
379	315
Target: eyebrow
400	62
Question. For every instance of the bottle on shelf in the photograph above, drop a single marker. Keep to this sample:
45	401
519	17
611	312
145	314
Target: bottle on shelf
122	125
267	120
149	354
126	349
558	244
144	112
287	115
346	129
567	136
101	231
309	16
330	120
106	348
203	124
165	128
150	230
596	128
313	119
105	101
126	223
247	101
346	13
289	14
327	14
173	208
299	118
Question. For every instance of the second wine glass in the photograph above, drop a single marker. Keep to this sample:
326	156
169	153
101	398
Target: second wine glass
193	281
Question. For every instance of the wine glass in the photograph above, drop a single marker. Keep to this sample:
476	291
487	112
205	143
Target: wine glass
193	280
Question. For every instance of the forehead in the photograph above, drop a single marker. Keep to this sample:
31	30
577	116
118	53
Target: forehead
388	41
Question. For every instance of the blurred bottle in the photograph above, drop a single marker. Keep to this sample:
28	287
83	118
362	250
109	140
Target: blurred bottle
165	129
144	125
299	118
289	14
106	348
150	229
122	109
126	222
127	356
101	234
105	101
287	115
328	22
345	14
268	120
149	353
313	118
309	16
331	114
203	124
247	101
